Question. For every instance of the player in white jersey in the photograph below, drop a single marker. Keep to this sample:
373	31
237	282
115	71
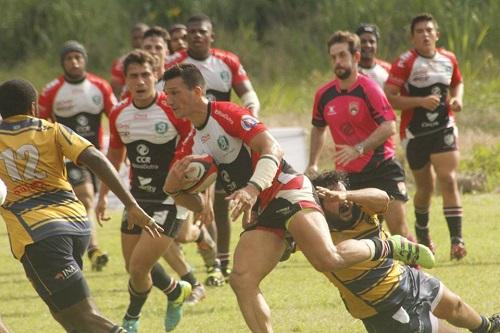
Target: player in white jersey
223	73
79	99
369	64
144	129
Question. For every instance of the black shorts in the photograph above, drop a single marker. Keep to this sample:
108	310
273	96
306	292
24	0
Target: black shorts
420	149
54	267
79	175
389	177
166	215
424	295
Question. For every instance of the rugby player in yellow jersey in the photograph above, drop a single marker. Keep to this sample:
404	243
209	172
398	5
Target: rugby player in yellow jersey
386	295
47	225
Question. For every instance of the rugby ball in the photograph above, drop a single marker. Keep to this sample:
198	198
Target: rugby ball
201	173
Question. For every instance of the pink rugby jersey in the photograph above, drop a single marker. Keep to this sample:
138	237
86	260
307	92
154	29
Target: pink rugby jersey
416	75
352	115
79	106
221	70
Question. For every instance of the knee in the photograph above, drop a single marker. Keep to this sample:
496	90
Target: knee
240	282
448	182
136	270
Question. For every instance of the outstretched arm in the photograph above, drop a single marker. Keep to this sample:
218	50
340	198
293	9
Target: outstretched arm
373	199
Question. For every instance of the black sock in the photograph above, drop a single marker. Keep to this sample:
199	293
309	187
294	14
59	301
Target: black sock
484	327
137	301
453	217
383	249
224	259
422	222
189	277
160	278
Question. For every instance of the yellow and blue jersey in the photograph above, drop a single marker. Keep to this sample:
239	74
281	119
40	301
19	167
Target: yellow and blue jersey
369	287
40	201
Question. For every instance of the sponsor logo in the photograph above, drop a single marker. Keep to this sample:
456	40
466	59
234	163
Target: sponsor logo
82	120
224	75
142	149
205	138
35	186
431	116
248	122
161	127
331	111
223	143
449	139
436	90
66	273
347	129
122	126
144	181
141	116
432	124
353	108
97	99
147	188
75	174
224	115
402	188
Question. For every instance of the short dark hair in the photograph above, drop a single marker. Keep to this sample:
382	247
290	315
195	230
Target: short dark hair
424	17
199	18
190	74
175	27
16	97
330	178
138	56
157	31
345	37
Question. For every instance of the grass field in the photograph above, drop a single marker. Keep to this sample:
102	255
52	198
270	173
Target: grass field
301	299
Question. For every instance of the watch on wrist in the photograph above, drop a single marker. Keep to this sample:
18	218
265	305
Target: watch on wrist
360	148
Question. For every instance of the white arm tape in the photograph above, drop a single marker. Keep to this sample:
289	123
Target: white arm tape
265	170
251	101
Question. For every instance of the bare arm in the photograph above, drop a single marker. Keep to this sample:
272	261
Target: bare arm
430	102
456	97
318	138
373	199
248	96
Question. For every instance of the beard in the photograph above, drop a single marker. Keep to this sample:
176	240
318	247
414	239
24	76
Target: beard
343	73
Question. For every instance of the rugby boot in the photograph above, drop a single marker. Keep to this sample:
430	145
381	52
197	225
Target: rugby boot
197	294
131	325
411	253
99	260
458	250
173	314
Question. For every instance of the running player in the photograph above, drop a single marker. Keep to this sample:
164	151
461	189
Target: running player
117	77
261	186
362	124
223	73
47	225
386	295
144	129
369	64
426	84
79	99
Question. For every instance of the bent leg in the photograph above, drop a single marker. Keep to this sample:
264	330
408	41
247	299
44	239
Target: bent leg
256	254
396	218
455	311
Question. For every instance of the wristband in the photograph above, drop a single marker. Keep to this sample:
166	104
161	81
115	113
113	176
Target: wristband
264	172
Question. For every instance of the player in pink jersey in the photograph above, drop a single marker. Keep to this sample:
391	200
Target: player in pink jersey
361	123
426	84
79	99
369	64
223	73
117	77
261	186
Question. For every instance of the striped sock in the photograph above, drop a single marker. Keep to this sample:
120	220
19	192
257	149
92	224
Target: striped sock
453	217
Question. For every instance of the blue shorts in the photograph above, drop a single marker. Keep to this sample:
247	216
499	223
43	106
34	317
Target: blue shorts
54	268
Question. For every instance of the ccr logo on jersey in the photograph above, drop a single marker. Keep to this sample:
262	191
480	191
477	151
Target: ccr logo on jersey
223	143
248	122
82	120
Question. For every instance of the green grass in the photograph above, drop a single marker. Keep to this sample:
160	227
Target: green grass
301	299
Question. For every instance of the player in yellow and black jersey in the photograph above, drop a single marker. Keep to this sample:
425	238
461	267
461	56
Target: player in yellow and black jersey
386	295
47	225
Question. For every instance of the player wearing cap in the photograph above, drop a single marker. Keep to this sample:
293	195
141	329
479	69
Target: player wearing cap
79	99
369	64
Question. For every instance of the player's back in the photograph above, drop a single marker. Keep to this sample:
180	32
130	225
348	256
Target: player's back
40	201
